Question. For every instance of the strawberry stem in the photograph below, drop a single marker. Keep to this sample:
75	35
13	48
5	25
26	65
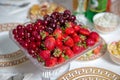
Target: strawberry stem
43	34
66	57
57	52
39	59
67	25
43	46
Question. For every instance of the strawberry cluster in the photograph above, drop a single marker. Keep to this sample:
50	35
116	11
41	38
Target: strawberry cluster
54	44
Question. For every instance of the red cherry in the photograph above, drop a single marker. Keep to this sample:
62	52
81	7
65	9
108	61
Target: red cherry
26	45
34	33
19	40
27	40
19	27
32	39
16	37
39	22
32	53
38	38
21	33
27	35
29	28
35	27
67	12
33	45
38	43
15	31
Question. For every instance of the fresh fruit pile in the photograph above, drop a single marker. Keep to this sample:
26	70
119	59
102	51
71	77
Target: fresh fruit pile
55	39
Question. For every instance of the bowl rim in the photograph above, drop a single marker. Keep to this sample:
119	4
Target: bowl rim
101	14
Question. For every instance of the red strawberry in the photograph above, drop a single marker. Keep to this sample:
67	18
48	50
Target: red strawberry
50	43
76	39
69	30
77	49
64	36
76	28
69	53
59	43
64	48
58	33
84	31
57	52
69	41
61	59
44	54
51	62
94	36
74	34
90	42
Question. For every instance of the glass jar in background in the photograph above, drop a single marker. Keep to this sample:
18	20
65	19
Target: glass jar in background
75	5
115	7
96	6
79	6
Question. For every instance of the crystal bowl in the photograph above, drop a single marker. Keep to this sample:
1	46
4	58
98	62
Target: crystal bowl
48	72
106	22
114	52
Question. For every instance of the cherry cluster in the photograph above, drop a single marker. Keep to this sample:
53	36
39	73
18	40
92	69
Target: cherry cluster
57	20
